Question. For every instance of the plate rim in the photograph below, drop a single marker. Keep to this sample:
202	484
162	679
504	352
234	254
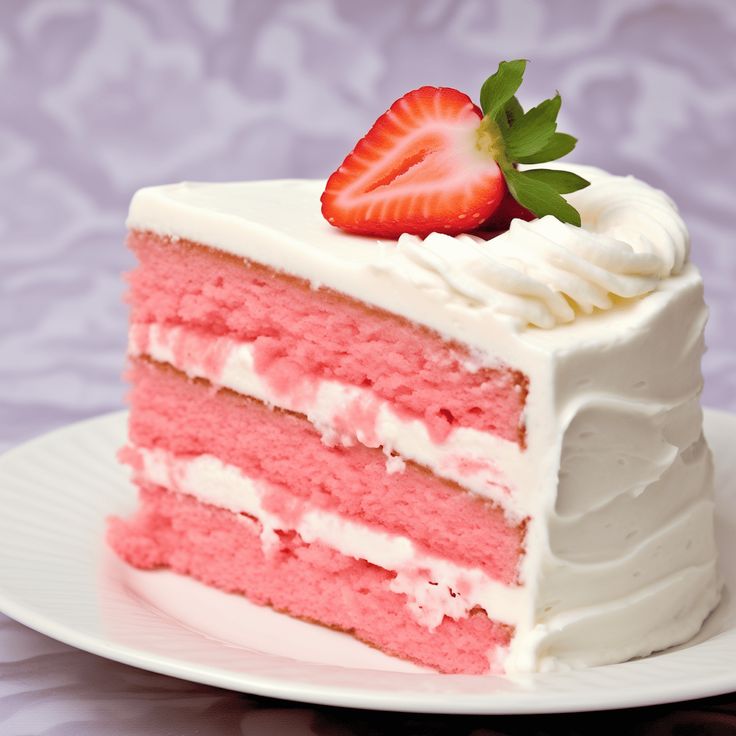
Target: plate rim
522	702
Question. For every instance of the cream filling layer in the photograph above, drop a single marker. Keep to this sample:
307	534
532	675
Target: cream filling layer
345	414
431	595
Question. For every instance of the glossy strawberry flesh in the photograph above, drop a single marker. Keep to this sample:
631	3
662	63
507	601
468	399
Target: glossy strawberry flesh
418	170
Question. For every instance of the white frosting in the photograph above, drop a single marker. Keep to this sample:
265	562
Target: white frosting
620	552
616	479
535	273
541	272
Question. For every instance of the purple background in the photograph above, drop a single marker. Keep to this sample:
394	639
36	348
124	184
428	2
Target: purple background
99	98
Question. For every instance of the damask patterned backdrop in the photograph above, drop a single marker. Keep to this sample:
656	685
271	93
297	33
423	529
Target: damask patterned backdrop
99	97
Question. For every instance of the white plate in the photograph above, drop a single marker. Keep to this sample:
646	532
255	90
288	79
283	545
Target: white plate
57	577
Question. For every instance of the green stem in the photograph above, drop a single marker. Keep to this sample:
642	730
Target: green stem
490	141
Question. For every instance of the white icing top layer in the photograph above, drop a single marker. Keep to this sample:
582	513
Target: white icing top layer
541	273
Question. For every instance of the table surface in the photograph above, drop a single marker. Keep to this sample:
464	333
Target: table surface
51	689
98	100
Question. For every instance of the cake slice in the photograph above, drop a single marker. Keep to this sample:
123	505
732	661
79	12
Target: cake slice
481	455
364	434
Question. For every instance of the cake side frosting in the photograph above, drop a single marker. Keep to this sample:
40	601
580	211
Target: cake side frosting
622	530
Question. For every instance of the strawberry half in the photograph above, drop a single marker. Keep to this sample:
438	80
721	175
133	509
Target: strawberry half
509	209
418	170
435	162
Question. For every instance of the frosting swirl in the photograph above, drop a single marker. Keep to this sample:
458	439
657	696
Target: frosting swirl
543	272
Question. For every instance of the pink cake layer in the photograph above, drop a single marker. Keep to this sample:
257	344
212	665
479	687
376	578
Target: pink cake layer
301	333
190	417
309	581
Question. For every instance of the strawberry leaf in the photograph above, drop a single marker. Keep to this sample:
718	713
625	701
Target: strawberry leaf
500	87
563	182
533	131
539	197
511	136
559	145
514	111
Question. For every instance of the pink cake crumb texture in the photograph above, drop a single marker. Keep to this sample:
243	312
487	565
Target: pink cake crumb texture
302	334
190	417
309	581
